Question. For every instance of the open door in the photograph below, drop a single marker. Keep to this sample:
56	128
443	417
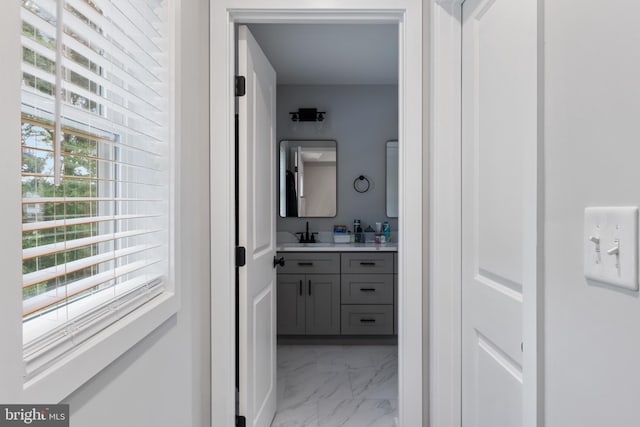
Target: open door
257	233
499	203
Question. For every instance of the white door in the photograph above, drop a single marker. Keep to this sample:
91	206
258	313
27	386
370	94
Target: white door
257	233
499	99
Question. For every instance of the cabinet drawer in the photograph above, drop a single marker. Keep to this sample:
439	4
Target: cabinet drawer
367	262
367	320
367	289
309	263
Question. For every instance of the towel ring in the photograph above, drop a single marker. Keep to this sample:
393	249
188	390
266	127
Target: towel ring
361	184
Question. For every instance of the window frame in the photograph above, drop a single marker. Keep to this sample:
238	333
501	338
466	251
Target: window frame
80	364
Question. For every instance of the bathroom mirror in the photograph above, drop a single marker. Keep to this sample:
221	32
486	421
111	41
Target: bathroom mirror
392	179
307	172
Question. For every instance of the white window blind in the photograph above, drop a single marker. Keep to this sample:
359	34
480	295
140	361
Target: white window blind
95	167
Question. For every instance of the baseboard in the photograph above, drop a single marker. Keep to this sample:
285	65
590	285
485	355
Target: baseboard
338	340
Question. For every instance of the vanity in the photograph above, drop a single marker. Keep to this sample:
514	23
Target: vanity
330	291
337	290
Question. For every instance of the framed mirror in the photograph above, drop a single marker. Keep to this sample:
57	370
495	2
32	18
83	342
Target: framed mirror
308	178
392	179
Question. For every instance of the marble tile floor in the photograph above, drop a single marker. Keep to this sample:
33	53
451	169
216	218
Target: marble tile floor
333	386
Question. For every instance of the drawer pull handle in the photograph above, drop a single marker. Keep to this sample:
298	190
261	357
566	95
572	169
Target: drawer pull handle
309	287
300	286
367	320
368	289
305	264
367	263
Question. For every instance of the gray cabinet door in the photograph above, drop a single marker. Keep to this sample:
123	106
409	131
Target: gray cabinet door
323	304
291	304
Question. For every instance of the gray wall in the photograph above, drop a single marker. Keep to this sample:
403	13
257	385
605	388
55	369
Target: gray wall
592	150
361	119
163	381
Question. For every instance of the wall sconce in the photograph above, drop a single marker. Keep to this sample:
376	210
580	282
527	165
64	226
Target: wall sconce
307	115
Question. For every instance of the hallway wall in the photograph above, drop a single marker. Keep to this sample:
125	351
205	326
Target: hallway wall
164	380
592	150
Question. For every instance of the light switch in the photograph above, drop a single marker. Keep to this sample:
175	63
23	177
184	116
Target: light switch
611	246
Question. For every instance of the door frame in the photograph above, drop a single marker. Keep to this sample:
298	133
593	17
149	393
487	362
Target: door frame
445	255
407	14
440	328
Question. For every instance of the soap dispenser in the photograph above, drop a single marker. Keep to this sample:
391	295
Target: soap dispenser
357	231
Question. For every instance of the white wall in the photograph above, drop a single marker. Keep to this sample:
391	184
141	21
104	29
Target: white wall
318	176
361	118
163	381
592	152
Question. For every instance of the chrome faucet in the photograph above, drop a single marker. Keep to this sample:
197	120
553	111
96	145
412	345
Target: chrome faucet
306	237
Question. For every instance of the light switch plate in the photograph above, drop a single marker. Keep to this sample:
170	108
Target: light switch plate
605	229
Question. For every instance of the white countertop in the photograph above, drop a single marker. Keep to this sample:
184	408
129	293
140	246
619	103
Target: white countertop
336	247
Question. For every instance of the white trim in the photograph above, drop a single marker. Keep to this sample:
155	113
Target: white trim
408	15
222	226
11	214
445	222
532	310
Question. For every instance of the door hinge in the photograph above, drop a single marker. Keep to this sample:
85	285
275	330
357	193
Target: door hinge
241	86
241	256
241	421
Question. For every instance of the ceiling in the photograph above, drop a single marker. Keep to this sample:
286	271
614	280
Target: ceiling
330	54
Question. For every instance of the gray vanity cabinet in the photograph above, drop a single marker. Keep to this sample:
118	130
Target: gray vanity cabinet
332	293
367	293
309	303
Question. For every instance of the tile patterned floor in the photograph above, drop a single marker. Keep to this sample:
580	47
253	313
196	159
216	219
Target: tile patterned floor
333	386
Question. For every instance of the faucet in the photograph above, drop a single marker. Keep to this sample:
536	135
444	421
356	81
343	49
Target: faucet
306	237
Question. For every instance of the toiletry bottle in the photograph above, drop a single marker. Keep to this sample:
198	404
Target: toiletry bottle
357	230
386	229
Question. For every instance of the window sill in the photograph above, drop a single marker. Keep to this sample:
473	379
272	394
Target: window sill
82	363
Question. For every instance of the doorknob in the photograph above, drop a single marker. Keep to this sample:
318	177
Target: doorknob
278	262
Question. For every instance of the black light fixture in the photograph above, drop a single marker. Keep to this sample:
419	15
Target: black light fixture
307	115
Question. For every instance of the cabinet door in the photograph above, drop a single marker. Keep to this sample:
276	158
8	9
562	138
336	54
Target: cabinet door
291	306
323	304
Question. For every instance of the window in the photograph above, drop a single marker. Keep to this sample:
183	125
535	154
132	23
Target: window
95	168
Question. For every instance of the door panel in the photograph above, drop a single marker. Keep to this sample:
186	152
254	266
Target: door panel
499	123
323	304
256	232
291	310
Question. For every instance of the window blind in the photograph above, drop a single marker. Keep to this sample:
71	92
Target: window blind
95	167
